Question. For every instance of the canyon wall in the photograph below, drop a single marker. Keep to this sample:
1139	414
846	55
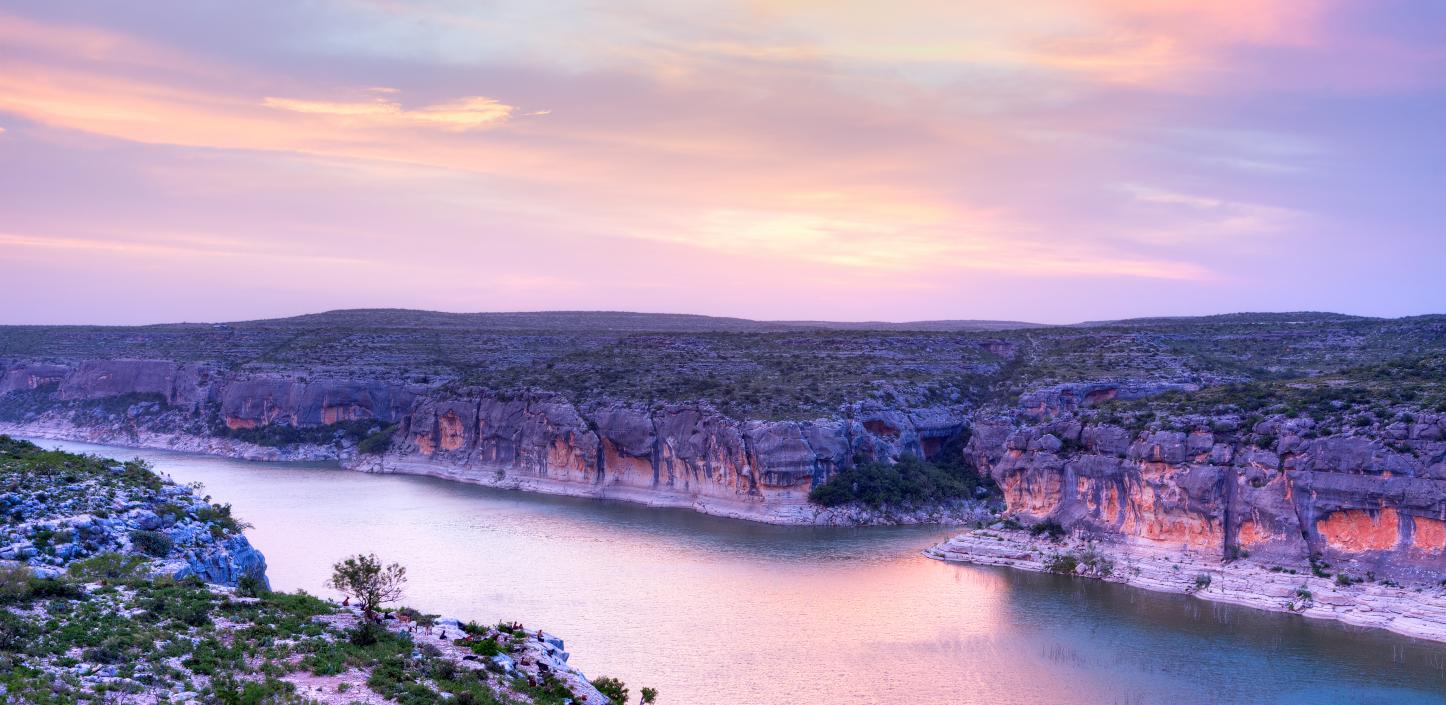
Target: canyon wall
683	455
1368	501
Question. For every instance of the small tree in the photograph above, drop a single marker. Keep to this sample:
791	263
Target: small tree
366	579
616	691
649	695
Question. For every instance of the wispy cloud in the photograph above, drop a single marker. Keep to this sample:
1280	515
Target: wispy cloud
808	151
460	115
185	246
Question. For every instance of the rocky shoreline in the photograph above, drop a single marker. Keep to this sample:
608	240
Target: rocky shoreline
537	656
59	430
116	583
182	535
1415	610
800	514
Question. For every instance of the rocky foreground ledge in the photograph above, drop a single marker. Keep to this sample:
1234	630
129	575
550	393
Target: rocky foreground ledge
118	586
1416	610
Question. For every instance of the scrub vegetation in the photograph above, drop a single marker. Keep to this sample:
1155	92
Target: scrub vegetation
94	612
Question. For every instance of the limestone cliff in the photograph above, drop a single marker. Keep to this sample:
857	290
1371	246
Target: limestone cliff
1369	500
685	455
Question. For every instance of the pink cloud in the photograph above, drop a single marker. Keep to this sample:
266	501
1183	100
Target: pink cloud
806	151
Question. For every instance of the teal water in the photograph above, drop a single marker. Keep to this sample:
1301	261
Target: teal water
709	610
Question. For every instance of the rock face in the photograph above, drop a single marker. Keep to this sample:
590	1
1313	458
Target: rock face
682	455
1362	504
103	507
669	455
226	562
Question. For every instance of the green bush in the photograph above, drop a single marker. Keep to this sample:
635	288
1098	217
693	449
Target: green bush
1049	527
15	632
486	647
250	586
611	687
367	633
909	482
378	442
18	584
1063	563
107	566
152	543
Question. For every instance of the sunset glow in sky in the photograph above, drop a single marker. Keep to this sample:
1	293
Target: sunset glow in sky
1049	160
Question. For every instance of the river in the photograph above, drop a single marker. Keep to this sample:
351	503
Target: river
710	610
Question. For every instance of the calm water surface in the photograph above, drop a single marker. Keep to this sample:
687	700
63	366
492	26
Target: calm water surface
715	611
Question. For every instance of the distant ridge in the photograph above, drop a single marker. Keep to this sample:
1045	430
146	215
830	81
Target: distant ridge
639	322
608	321
1234	318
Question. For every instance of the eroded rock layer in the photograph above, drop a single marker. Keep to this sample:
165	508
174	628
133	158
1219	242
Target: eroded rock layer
686	455
1363	503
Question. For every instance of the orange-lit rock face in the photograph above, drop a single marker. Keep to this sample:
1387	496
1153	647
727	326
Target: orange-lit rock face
1188	531
234	423
1250	534
425	446
1149	519
1357	530
1428	535
451	435
1104	503
1038	497
626	469
563	461
343	412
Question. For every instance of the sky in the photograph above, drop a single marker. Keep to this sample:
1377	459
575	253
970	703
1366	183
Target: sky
1043	160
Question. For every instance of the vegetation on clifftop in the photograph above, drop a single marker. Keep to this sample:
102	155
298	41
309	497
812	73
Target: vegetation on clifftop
749	370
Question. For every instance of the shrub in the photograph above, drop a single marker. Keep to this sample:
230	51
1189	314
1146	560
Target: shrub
15	632
1062	563
250	586
1096	563
648	696
220	515
14	583
152	543
909	482
611	687
367	633
378	442
1048	527
486	647
1202	581
366	579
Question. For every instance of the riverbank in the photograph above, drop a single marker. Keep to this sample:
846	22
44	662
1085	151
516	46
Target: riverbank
794	513
138	437
119	585
797	513
1412	610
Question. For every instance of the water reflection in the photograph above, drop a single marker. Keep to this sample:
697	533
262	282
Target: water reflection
716	611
